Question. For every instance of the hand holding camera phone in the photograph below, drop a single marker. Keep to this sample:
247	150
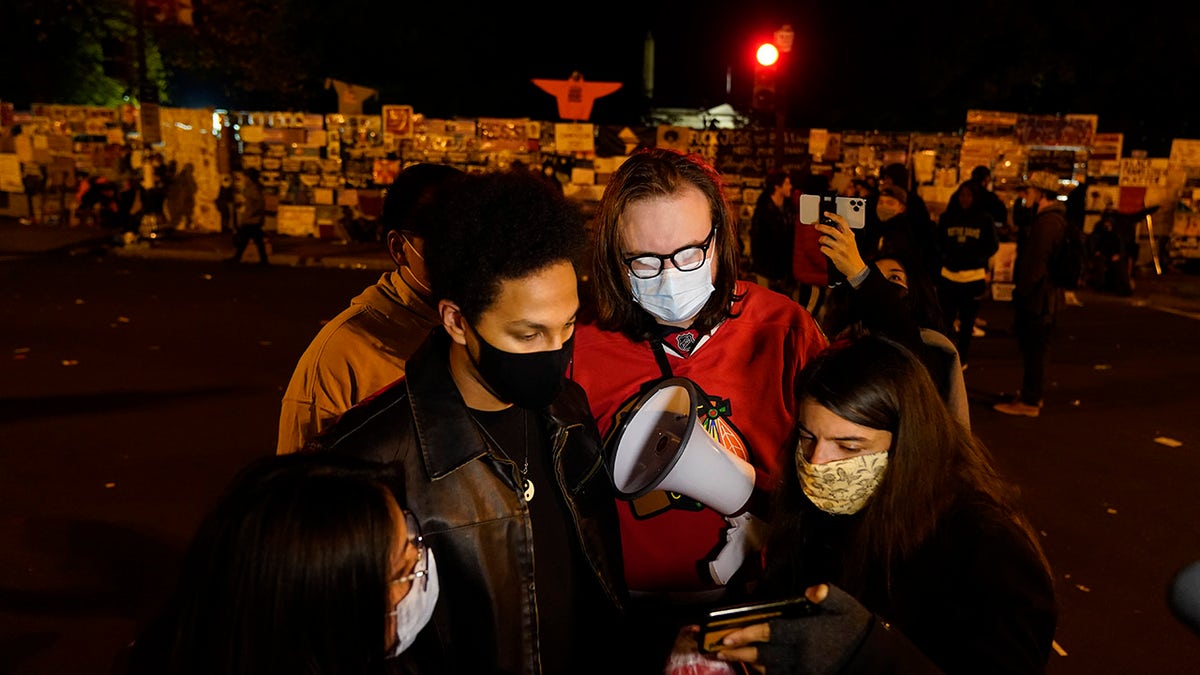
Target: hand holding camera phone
718	623
813	209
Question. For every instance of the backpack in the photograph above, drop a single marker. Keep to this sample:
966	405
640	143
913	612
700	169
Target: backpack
1066	260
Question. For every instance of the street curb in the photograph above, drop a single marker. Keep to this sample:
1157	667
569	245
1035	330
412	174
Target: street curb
280	259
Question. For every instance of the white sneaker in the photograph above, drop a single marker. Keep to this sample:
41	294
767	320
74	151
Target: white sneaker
1017	408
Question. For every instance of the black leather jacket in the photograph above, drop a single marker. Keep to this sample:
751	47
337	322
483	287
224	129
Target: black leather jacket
466	500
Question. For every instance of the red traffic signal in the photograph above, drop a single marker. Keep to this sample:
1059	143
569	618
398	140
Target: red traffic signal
767	54
766	63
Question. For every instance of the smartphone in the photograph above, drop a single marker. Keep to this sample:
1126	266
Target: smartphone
853	209
718	623
813	209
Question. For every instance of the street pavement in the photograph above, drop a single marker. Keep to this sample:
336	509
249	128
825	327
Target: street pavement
1107	473
292	251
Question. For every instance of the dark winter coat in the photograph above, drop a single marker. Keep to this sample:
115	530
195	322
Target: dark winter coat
771	232
974	598
1035	293
966	239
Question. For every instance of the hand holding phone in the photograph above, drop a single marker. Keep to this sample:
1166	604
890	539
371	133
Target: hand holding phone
720	622
839	245
813	209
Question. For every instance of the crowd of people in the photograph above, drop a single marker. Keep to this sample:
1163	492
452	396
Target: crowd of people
442	499
148	201
952	254
138	199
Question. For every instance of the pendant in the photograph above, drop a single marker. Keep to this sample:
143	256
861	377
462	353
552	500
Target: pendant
528	490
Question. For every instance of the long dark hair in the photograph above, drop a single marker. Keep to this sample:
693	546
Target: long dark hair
288	573
934	463
647	174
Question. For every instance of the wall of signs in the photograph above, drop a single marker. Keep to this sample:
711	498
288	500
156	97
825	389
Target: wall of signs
344	162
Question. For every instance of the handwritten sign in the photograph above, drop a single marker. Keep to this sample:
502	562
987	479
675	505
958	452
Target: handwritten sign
296	220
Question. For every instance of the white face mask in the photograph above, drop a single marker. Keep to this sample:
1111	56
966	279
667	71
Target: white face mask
886	213
424	287
415	609
843	486
674	296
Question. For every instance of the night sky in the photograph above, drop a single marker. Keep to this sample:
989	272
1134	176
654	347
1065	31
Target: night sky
917	66
854	66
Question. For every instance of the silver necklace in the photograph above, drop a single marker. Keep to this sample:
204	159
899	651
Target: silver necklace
526	485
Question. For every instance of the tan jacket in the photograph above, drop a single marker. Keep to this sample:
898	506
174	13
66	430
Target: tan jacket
362	350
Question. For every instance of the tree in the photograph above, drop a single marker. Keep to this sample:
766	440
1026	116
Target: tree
70	51
243	54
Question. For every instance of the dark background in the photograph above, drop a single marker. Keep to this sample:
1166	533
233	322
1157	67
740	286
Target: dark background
917	66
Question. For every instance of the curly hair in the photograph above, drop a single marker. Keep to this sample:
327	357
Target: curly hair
495	227
648	174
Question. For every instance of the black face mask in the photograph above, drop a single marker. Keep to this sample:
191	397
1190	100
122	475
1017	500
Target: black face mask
530	380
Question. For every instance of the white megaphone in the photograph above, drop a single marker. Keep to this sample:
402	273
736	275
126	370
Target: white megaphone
661	445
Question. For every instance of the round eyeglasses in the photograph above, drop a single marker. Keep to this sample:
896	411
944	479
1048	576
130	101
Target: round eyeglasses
421	568
686	259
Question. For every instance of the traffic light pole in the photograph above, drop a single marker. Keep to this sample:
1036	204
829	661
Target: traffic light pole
770	94
146	93
783	39
780	109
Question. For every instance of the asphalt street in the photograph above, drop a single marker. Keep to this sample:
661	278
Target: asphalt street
132	388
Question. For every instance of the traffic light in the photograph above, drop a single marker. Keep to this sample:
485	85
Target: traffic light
766	65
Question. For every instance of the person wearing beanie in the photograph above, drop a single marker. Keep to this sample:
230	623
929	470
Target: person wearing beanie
896	174
898	229
1036	300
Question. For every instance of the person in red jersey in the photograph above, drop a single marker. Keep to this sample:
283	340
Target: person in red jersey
666	301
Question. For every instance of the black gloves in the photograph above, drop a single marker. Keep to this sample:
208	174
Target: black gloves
819	644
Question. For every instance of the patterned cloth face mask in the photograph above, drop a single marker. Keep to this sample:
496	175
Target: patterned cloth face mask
843	486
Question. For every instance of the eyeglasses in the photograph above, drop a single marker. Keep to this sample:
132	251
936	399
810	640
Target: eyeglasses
421	569
686	259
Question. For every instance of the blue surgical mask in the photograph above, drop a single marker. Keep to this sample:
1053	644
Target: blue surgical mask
674	297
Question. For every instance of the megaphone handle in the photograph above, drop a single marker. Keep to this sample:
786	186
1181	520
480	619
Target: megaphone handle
742	537
727	563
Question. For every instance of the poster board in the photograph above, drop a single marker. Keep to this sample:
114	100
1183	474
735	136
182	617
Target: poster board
1003	263
296	220
575	139
10	173
397	124
188	141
